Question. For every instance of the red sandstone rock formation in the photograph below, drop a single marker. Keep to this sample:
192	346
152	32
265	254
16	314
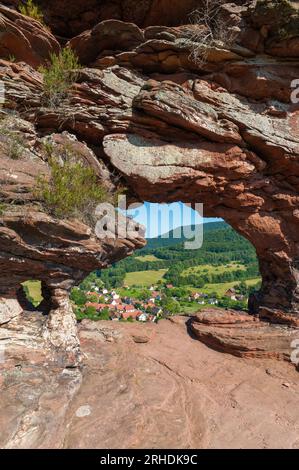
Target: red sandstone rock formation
242	335
25	39
71	17
168	392
35	245
223	132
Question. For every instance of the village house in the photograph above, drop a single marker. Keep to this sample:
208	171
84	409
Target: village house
97	306
156	295
148	306
157	310
142	317
152	318
240	297
134	315
126	307
195	295
129	308
231	293
92	293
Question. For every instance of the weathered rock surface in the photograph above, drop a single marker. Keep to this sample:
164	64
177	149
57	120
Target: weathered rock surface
243	335
9	309
25	39
170	392
36	245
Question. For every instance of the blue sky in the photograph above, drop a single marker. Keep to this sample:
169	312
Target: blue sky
160	218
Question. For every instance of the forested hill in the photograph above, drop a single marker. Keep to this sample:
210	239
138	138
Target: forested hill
176	236
221	246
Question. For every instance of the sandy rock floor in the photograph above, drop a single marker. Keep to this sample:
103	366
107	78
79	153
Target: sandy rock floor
143	386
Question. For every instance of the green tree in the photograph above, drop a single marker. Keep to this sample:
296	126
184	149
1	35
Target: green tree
90	312
171	306
78	297
32	10
59	75
104	314
73	190
93	298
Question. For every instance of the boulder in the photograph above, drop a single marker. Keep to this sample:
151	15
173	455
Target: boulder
24	39
9	309
243	335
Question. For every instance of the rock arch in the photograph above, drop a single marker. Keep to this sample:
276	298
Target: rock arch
225	133
231	184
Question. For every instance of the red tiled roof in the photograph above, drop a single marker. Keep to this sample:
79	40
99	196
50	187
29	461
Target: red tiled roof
129	308
127	315
96	305
119	307
149	305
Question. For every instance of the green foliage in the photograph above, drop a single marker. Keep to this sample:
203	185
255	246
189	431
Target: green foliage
242	288
92	314
32	10
27	294
33	293
88	312
15	143
93	298
226	302
59	76
104	314
73	190
15	147
78	297
171	306
225	260
221	246
280	15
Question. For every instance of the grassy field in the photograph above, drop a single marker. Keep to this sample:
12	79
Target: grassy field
144	278
147	258
209	269
34	288
220	289
193	308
